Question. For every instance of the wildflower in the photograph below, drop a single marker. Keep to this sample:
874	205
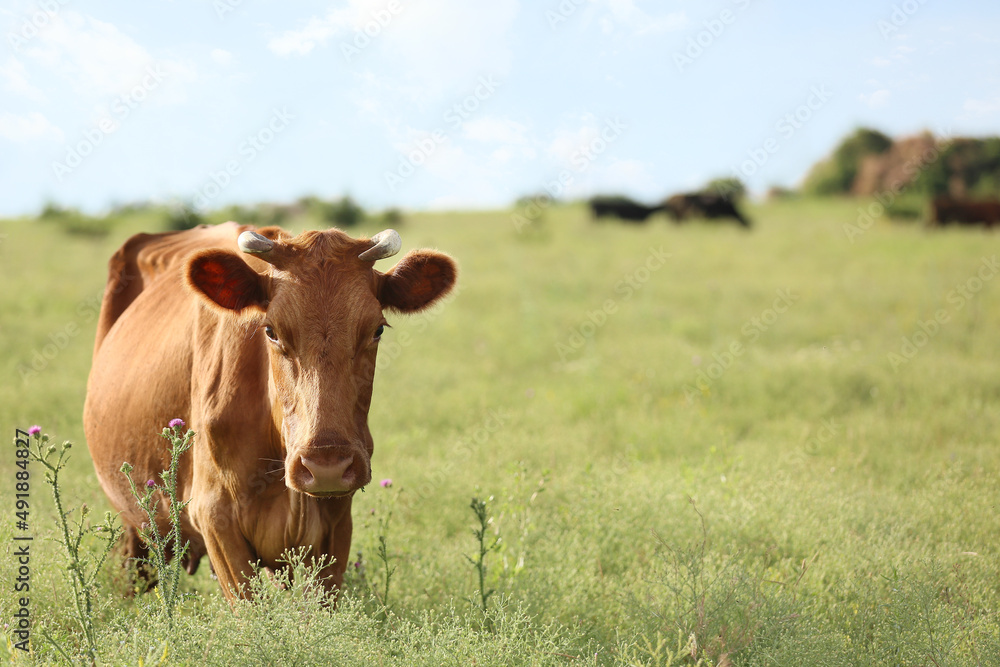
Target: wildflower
150	483
386	483
177	423
35	430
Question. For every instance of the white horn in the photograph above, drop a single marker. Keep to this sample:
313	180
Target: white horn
254	243
385	244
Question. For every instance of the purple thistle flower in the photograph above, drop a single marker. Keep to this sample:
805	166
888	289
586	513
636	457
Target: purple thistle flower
35	430
386	483
150	483
177	423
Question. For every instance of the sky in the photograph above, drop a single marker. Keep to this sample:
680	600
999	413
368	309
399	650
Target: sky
444	104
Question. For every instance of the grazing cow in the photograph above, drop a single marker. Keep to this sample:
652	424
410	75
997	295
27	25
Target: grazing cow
622	208
702	205
945	210
265	345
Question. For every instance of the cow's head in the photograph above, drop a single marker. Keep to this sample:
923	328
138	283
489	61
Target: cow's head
316	302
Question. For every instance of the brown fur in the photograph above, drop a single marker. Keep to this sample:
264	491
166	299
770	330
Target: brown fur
283	439
945	210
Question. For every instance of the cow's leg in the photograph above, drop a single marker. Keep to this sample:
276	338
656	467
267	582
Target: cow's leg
339	547
228	550
140	576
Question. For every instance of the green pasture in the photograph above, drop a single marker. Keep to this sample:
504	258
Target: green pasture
699	445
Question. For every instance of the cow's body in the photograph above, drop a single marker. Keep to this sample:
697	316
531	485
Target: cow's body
621	208
702	205
269	357
945	210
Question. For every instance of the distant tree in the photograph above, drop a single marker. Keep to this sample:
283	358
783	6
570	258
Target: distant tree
966	167
835	175
273	214
974	164
241	214
392	217
309	202
128	208
727	187
344	212
53	211
183	217
73	221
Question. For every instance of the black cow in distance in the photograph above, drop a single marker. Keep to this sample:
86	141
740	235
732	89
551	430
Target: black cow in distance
622	208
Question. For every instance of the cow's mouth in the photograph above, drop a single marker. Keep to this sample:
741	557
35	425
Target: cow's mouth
329	494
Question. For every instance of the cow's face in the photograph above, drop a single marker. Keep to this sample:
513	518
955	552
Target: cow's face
318	309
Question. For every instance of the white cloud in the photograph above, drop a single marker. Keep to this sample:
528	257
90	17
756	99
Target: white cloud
511	136
29	127
611	174
492	129
451	162
976	108
570	140
627	15
377	100
302	41
626	174
357	15
222	57
95	55
15	80
900	54
438	44
100	63
876	100
448	44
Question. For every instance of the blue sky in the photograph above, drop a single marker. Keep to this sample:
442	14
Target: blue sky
448	104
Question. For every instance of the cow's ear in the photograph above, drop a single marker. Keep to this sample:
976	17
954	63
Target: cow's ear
421	278
226	281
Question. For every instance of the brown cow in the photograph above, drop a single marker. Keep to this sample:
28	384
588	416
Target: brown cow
265	345
704	205
945	210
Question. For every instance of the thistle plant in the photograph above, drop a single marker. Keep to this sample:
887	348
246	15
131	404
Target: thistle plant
166	553
82	568
479	507
383	512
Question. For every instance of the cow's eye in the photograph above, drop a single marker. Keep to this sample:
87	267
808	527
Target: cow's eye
269	332
379	331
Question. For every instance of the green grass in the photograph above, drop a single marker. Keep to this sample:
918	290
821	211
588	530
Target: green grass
812	505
